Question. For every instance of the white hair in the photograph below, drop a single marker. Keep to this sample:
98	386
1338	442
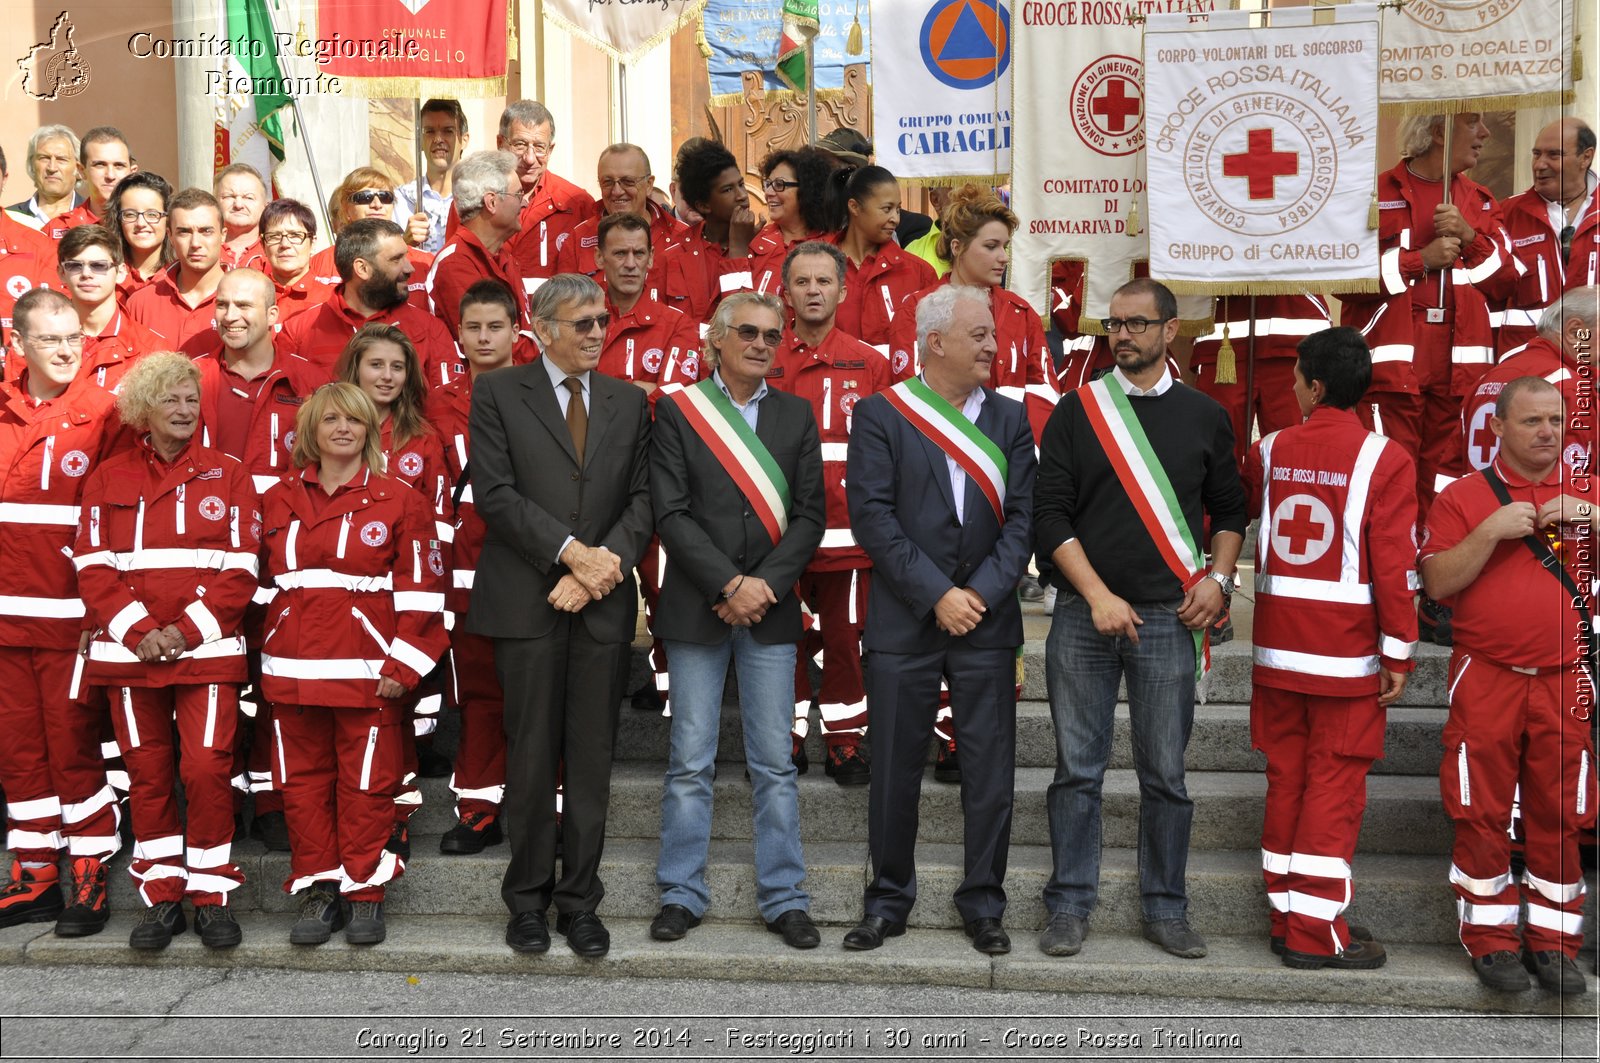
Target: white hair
937	312
1416	134
480	172
1581	303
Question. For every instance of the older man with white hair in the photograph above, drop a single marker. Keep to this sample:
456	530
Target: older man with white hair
489	199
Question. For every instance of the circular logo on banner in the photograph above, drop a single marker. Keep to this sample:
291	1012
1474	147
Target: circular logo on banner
436	562
1458	16
1482	443
1269	162
75	463
211	508
847	402
373	533
966	44
652	360
411	463
1107	105
1302	529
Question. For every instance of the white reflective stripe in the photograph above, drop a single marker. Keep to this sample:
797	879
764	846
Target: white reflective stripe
109	750
306	881
216	856
366	759
41	608
39	808
1318	866
1011	391
32	839
429	705
410	656
835	451
411	798
118	781
1583	779
129	615
1236	330
1279	901
1472	355
1295	326
852	616
283	766
1554	892
732	282
328	579
344	536
1266	505
37	513
1315	590
291	556
82	810
99	557
116	653
1450	695
263	595
1463	777
1315	907
388	867
1355	505
172	557
466	495
1496	319
127	713
202	883
419	601
328	668
1483	270
211	716
1441	481
445	531
1316	663
1520	318
158	848
1483	887
262	483
881	348
1389	270
1391	352
1488	914
463	579
210	630
1395	649
492	794
155	872
837	539
260	781
1560	376
1413	580
1043	391
1569	924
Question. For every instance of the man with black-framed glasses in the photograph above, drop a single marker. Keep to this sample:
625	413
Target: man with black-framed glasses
625	182
490	199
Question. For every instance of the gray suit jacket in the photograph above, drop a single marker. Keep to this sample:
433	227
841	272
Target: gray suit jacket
532	493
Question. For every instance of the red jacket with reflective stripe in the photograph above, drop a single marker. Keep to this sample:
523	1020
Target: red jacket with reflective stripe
1281	322
1335	556
875	290
577	255
271	439
462	262
420	465
324	270
167	544
108	356
320	334
360	591
652	343
1540	358
698	273
46	453
448	410
1516	300
27	261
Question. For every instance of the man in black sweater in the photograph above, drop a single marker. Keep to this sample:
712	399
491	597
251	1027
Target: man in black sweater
1129	466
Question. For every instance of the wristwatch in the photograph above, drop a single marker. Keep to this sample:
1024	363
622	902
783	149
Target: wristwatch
1225	582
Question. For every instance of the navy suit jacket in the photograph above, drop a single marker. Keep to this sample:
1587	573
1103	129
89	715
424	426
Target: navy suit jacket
903	514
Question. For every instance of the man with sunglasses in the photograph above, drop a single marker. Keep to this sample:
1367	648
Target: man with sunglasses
27	260
625	186
1129	468
489	199
90	268
1555	232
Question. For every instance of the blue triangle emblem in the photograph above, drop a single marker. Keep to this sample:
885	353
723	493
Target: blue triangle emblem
968	39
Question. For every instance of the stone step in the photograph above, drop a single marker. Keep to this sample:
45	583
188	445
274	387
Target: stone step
1404	814
1238	967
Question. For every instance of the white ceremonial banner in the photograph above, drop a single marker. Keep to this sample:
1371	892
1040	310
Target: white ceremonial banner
1263	151
1441	56
623	29
941	88
1078	165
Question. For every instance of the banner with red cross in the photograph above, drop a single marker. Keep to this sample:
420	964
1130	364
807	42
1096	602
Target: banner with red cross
1262	151
1078	163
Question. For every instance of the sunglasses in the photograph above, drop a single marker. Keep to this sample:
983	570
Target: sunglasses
78	265
585	325
368	196
749	333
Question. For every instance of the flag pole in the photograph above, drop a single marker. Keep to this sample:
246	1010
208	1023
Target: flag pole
811	90
300	123
416	125
622	100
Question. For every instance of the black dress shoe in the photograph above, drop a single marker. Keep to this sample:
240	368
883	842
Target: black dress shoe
870	932
673	922
798	931
989	937
528	932
586	934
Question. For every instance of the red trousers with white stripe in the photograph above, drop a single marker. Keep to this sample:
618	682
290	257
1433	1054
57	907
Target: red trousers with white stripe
1319	750
1273	407
51	767
338	769
172	859
479	781
1507	727
838	600
253	753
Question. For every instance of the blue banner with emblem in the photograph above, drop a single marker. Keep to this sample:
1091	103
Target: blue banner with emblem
740	35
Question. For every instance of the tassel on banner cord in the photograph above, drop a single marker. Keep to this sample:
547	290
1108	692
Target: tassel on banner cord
511	27
1577	57
300	38
852	44
1134	227
1372	212
701	42
1227	364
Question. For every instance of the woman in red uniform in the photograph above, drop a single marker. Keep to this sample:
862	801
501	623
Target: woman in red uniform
288	229
167	555
355	624
796	184
137	212
878	274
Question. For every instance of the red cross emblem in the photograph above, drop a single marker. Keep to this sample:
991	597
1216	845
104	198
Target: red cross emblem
1302	529
211	508
1481	440
75	463
1260	165
691	367
373	533
1115	105
411	463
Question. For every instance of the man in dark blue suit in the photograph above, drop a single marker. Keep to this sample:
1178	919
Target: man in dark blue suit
940	485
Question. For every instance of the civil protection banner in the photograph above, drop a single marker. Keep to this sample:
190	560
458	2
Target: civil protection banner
1441	56
623	29
1263	151
1078	165
941	89
740	35
414	48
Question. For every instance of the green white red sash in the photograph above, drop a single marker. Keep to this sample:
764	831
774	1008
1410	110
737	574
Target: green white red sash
949	429
1148	487
740	452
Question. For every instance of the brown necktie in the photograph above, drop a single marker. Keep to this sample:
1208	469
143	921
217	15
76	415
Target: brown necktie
577	415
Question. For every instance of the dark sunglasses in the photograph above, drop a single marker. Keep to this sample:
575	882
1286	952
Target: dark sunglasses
368	196
748	334
585	325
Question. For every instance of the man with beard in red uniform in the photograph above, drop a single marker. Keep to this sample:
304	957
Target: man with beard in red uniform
1335	630
1512	549
90	268
179	304
490	199
833	371
625	186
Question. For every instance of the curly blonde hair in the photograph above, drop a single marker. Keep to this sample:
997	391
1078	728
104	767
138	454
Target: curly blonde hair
151	379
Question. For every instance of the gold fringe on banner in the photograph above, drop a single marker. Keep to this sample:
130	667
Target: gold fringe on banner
954	181
700	40
734	99
407	88
1227	367
690	11
1577	57
1508	102
1244	287
512	47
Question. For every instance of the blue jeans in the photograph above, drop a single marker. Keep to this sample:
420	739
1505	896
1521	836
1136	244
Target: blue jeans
766	701
1083	668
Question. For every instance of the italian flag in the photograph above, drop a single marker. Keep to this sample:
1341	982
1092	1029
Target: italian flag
800	25
248	128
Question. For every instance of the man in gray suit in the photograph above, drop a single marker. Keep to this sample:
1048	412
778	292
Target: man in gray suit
559	464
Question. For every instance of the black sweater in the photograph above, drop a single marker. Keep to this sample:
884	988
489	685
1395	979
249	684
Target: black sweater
1077	493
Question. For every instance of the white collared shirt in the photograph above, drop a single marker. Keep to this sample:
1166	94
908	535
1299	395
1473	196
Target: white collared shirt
958	475
1158	388
558	377
1558	212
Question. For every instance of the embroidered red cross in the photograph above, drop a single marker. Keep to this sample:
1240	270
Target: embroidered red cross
1300	530
1484	440
1260	165
76	463
1115	105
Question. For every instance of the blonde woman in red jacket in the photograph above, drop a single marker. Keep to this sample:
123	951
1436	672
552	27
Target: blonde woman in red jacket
355	624
166	555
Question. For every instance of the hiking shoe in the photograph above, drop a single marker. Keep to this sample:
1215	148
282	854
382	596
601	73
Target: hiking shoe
1221	629
947	767
1177	937
1063	935
472	834
217	927
157	924
399	842
1556	971
32	896
1501	971
846	766
1434	622
801	762
89	910
366	923
1358	956
1357	933
321	913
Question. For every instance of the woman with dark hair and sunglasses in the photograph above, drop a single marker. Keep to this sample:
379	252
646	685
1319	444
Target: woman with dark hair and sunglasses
368	193
864	203
796	185
137	213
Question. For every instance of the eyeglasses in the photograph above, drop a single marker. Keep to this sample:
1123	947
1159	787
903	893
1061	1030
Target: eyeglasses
368	196
519	195
79	265
522	147
585	325
287	237
1135	326
53	343
627	184
779	186
749	333
149	217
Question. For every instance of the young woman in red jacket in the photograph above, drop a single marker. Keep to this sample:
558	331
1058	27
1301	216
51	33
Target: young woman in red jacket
167	553
355	624
879	276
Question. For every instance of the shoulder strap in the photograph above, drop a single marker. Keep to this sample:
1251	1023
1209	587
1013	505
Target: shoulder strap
1550	563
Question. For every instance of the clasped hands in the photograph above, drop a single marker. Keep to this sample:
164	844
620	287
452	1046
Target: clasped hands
747	600
1451	234
592	573
161	644
959	610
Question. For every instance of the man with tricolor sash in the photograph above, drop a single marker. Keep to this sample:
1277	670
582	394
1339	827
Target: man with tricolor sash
939	478
736	482
1130	467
